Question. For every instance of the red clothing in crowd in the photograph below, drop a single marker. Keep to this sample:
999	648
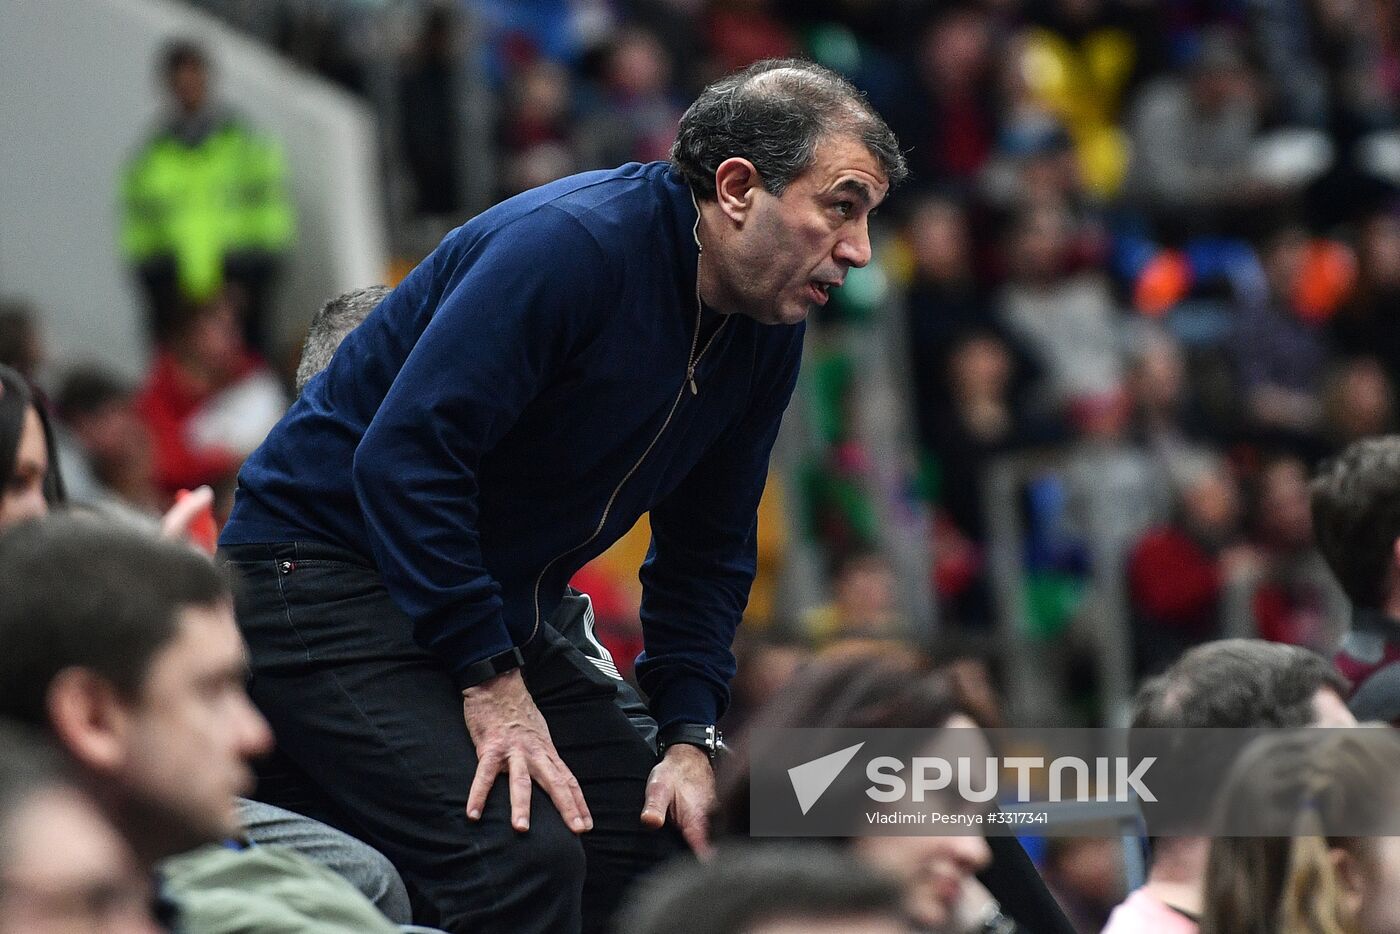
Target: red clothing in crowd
167	403
1175	581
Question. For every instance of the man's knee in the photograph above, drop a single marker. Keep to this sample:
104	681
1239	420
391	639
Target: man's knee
508	882
550	851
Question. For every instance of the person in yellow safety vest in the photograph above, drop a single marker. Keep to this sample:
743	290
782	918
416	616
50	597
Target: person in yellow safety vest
205	208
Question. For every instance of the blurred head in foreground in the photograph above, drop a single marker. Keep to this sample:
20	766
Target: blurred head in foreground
767	890
1324	877
123	647
870	692
63	868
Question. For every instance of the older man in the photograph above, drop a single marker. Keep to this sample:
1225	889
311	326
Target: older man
610	344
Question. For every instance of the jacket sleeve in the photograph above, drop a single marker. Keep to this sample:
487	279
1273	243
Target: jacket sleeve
508	314
696	578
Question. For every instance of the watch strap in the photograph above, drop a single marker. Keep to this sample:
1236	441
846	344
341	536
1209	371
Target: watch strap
488	668
707	736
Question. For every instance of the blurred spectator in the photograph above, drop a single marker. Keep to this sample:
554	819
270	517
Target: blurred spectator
335	319
1369	324
947	116
944	307
1119	484
536	130
1359	402
1232	683
1295	598
428	116
767	890
20	346
1326	60
1167	420
1356	511
62	866
1034	167
1191	139
741	32
945	296
868	691
630	115
1177	572
1067	321
538	107
948	317
1086	875
766	661
29	478
1280	345
205	209
106	452
1324	877
979	418
207	402
863	604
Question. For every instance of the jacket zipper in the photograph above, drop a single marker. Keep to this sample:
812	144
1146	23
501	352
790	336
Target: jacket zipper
692	363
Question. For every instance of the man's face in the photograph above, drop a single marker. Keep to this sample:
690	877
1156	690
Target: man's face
67	872
793	249
189	86
190	735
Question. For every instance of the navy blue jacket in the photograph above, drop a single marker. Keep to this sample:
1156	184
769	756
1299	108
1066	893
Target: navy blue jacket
516	404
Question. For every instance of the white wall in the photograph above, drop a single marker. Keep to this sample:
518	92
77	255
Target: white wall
78	94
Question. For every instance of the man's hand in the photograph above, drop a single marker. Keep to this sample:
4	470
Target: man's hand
683	786
190	520
511	737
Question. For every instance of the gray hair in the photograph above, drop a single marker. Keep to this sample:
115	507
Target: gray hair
774	113
337	318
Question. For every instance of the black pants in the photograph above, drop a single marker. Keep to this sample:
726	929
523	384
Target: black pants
371	740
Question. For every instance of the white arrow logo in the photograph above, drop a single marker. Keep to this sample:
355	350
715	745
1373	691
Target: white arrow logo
810	780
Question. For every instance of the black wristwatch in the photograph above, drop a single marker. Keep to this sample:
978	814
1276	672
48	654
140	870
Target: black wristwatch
706	736
488	668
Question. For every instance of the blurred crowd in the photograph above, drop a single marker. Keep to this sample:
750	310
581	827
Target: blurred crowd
1148	266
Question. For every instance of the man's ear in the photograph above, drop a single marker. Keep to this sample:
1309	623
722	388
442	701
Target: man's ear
737	183
1351	882
88	717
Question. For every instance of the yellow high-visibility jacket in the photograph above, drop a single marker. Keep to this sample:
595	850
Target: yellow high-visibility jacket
198	203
